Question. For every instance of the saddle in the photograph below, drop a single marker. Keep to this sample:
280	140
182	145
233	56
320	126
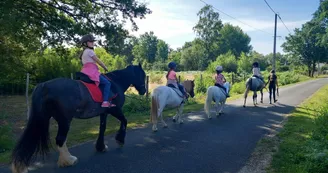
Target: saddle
177	90
93	89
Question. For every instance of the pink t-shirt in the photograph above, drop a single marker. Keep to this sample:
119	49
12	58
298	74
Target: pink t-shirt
90	67
87	56
172	75
219	79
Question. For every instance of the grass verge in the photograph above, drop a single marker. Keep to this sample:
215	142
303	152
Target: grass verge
303	141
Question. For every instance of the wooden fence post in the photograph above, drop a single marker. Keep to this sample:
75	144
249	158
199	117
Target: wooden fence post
26	94
71	75
179	79
147	86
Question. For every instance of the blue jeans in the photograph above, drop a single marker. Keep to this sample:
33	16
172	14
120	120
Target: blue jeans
181	88
104	86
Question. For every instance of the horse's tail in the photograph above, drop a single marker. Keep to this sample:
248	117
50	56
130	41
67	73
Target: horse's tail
208	100
35	139
154	108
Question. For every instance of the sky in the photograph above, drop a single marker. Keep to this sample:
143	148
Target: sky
173	20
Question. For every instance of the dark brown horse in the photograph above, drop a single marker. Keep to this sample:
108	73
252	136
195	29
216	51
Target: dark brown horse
64	99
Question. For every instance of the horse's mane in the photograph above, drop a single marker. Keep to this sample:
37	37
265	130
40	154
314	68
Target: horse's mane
116	74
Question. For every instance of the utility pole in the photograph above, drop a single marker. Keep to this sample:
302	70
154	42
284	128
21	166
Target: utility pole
274	43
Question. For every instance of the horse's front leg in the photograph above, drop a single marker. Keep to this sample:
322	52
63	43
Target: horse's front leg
120	135
261	95
100	145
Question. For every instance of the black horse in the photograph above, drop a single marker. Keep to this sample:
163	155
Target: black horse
65	99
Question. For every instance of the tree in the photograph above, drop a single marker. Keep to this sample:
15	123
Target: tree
192	58
208	30
162	51
55	22
227	61
233	38
306	45
146	48
245	63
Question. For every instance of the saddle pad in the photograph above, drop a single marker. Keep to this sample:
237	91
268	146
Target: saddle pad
180	94
96	93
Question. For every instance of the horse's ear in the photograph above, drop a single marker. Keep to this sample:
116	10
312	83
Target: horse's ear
140	65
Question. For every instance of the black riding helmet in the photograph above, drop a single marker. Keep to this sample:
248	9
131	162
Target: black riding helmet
87	38
256	64
272	71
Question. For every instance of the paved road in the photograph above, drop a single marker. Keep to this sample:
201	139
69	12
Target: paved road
200	145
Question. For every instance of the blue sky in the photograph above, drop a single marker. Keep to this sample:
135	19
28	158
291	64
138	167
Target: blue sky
172	20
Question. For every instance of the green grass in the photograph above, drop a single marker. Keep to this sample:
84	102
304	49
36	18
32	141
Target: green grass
299	150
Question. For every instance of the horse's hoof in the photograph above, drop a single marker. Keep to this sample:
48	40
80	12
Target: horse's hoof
181	122
165	126
219	114
155	129
70	161
119	143
104	149
174	120
209	117
244	106
261	101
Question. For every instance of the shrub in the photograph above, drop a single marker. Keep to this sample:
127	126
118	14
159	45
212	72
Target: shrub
6	134
136	104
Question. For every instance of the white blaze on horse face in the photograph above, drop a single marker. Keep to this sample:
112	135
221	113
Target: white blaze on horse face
65	158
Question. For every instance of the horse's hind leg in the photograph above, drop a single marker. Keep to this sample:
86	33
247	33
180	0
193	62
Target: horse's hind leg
222	107
180	109
65	157
254	98
162	119
100	145
245	95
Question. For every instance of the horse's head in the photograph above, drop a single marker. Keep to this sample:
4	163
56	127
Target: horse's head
189	86
138	77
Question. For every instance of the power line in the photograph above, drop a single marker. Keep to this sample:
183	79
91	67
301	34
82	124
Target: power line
284	24
269	6
234	17
277	14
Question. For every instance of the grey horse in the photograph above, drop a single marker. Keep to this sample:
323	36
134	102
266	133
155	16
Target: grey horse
254	84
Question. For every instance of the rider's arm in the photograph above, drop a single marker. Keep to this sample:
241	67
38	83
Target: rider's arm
268	81
99	62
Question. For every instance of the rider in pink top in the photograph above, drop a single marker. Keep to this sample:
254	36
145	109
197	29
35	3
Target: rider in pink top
220	80
172	78
90	68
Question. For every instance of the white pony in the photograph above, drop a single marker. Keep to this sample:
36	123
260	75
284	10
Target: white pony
164	96
218	95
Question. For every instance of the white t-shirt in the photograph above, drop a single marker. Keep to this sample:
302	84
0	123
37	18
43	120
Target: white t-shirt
87	56
256	71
